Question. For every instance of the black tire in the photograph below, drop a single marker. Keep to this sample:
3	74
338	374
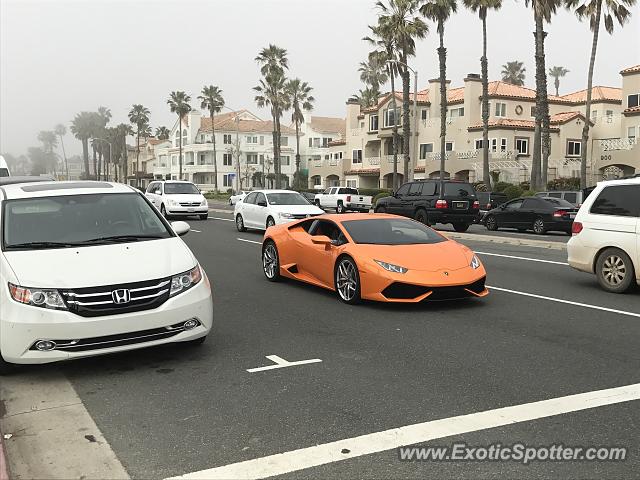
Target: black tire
340	208
240	223
270	261
316	202
6	368
380	210
491	223
461	227
163	211
421	216
614	270
346	267
270	222
539	228
204	216
230	202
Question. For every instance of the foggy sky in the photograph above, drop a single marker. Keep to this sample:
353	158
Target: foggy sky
61	57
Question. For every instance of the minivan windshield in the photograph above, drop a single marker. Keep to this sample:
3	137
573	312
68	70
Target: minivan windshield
79	220
180	188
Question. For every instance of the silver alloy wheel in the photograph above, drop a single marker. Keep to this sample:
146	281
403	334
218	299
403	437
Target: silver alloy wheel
239	223
270	261
346	280
614	270
538	226
492	223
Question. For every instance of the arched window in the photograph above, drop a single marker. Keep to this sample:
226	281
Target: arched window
184	137
177	138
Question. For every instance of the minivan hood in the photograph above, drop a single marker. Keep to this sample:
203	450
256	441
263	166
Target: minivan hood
297	209
101	264
186	197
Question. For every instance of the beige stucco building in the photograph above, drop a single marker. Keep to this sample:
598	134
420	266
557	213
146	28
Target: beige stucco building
364	158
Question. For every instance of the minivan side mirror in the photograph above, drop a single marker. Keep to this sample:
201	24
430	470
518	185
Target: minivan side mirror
181	228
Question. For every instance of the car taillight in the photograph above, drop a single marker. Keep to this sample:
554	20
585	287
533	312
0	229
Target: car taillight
442	204
348	198
576	228
476	205
488	206
559	213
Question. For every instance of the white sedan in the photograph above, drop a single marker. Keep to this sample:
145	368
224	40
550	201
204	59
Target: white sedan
262	209
233	199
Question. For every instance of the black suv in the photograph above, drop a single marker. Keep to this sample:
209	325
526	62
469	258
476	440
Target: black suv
421	200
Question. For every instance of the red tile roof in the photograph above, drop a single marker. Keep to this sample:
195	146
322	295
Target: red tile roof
627	71
632	111
227	122
337	142
509	123
329	125
599	94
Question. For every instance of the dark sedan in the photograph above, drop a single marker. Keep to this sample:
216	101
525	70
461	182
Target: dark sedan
540	214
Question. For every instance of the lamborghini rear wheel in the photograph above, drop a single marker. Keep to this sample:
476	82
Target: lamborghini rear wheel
347	281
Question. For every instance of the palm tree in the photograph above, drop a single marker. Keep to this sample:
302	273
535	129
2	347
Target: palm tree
557	73
82	129
366	98
481	7
123	130
384	39
301	101
60	130
400	17
211	99
439	11
513	73
374	74
594	10
273	63
139	116
179	104
49	142
162	133
104	115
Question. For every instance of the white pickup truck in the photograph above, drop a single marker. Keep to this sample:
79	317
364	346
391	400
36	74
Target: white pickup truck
343	199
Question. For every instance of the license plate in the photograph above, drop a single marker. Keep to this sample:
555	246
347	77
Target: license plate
191	209
459	204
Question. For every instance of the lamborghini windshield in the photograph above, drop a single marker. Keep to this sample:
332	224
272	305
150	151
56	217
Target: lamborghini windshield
395	231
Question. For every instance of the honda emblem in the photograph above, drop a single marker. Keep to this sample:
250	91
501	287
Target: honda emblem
121	296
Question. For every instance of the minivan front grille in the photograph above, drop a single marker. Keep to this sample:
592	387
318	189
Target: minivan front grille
189	204
117	299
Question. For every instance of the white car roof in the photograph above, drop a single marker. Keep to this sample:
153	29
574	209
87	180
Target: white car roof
173	181
622	181
51	189
274	191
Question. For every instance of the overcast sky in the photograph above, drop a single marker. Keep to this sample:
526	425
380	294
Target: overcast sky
61	57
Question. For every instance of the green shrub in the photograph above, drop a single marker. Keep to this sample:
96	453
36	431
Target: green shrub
525	185
379	196
502	186
564	183
512	191
528	193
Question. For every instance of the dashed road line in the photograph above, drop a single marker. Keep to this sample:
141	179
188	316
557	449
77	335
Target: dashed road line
194	230
281	363
249	241
223	219
528	259
418	433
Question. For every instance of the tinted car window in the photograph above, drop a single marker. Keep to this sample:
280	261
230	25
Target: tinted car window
251	198
4	172
428	188
403	190
483	197
391	232
180	188
620	200
292	198
571	197
458	189
514	205
415	189
532	203
558	202
260	198
349	191
554	194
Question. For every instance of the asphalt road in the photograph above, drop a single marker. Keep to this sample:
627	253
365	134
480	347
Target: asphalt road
173	410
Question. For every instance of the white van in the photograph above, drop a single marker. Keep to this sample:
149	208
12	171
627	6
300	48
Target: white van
4	168
606	235
89	268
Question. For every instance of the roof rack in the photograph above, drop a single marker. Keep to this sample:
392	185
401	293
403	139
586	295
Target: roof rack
26	179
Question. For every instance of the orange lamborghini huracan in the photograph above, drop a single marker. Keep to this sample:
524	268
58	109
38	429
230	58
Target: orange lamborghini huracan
374	257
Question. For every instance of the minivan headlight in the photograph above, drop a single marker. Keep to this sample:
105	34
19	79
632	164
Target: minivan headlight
184	281
37	297
172	203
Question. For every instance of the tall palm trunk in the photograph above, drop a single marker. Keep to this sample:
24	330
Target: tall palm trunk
125	163
138	158
546	119
274	134
99	163
537	136
180	150
64	156
277	160
85	156
406	127
95	162
442	57
215	158
486	175
585	129
395	131
297	174
556	84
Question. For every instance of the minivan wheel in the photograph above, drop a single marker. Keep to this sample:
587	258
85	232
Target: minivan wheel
491	223
461	227
163	211
421	216
347	281
614	270
240	223
270	261
539	227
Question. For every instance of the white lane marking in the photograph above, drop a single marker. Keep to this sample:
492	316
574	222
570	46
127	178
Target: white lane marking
249	241
194	230
281	363
349	448
559	300
223	219
522	258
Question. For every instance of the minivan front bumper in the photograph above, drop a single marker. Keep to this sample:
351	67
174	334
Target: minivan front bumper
21	326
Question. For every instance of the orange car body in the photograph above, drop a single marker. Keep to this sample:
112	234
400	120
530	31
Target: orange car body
435	271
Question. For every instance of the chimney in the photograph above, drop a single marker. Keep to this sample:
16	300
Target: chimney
353	111
472	94
434	94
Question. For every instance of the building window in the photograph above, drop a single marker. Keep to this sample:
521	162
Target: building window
327	157
325	141
285	160
226	139
456	112
177	139
356	156
227	180
631	132
522	146
425	148
533	111
352	183
633	100
252	139
337	156
478	144
252	158
184	137
448	147
310	142
609	116
373	123
503	144
317	181
424	114
573	148
501	109
261	139
227	160
594	116
390	117
316	143
494	144
202	159
284	141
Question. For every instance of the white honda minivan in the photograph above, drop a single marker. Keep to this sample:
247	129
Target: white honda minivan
89	268
606	235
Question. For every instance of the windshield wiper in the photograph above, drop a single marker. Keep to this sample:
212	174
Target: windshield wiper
122	238
37	245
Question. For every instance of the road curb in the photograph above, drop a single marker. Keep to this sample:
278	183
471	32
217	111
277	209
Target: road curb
507	241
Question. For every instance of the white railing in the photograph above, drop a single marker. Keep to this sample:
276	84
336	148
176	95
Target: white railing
612	144
375	161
